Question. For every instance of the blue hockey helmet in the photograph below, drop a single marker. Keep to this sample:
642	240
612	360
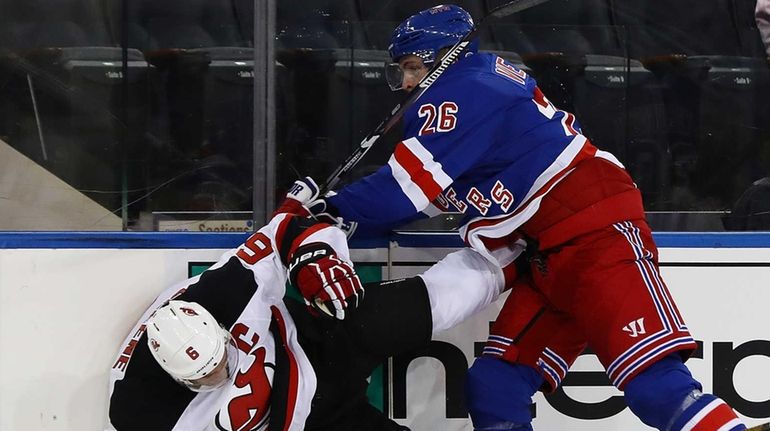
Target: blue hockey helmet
424	35
427	32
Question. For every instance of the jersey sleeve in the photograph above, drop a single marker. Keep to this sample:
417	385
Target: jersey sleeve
146	397
451	128
293	232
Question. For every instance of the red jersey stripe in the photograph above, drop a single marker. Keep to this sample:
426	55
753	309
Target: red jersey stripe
416	170
715	419
291	402
303	236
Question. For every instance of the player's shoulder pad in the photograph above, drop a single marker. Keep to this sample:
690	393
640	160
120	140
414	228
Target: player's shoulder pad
307	253
291	229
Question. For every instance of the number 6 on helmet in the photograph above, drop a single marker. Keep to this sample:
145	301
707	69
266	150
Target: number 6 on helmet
191	346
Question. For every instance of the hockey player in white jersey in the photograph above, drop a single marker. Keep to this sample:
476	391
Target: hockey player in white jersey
225	351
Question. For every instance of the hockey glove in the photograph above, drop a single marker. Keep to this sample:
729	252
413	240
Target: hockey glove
327	283
301	193
302	199
324	212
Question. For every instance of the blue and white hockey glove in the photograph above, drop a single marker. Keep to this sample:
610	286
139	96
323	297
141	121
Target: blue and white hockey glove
301	193
303	199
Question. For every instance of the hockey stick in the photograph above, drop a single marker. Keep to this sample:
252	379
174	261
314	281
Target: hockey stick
435	72
764	427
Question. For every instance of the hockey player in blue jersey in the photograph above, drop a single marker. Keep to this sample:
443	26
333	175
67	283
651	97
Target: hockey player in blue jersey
484	140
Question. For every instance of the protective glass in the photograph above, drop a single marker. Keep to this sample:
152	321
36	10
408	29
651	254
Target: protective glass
395	74
207	384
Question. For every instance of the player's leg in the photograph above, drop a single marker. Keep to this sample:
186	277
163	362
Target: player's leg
342	367
530	348
633	324
401	315
499	394
394	317
665	396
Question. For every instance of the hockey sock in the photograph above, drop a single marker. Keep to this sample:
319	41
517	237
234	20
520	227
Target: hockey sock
706	412
499	394
666	396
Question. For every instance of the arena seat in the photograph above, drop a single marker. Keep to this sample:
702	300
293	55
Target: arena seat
571	27
79	108
661	27
579	60
752	209
321	45
318	24
361	99
202	92
717	116
732	119
620	107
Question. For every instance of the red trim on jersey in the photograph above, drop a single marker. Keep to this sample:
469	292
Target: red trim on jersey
509	71
550	382
303	236
554	367
416	170
716	418
281	230
597	193
681	343
569	121
293	389
539	98
603	213
588	151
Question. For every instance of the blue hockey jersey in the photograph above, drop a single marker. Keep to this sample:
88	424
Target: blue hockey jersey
484	141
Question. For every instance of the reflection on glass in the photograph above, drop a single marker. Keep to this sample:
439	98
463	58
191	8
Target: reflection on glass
138	114
125	110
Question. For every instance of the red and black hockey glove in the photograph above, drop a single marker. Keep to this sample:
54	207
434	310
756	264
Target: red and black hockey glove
327	283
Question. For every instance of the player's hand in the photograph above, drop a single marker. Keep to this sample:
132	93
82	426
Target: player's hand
301	194
321	210
327	283
303	199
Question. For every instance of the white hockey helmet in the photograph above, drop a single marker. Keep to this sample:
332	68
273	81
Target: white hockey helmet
189	344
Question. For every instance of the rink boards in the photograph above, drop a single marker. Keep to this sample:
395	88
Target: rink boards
67	300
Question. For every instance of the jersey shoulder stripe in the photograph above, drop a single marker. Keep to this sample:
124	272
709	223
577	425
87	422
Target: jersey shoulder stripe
419	175
292	231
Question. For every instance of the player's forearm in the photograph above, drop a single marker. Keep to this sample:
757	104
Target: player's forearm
377	208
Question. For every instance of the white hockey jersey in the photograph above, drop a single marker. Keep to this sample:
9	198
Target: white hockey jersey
244	291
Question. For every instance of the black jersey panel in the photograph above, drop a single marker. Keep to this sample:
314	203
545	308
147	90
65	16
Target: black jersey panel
224	291
147	398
